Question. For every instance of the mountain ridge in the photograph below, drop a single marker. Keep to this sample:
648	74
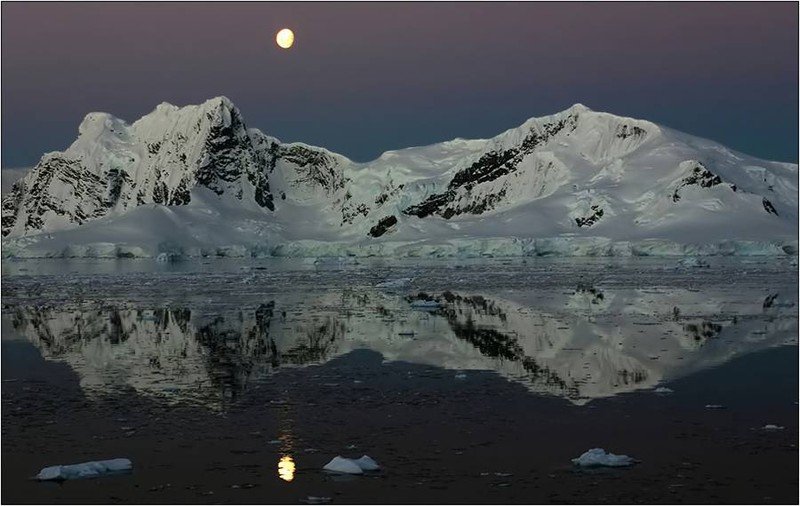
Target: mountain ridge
556	176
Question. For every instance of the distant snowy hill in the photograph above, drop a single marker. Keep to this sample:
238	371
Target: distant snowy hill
195	181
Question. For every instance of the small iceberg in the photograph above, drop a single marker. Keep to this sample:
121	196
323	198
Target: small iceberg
316	500
342	465
366	463
715	406
770	426
597	457
395	283
85	470
663	390
425	304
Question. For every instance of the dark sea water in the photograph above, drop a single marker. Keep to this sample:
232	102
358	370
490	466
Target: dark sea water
474	381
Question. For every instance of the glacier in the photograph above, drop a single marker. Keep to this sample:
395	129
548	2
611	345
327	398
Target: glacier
195	181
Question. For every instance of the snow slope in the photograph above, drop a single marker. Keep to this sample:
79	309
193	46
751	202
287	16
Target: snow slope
195	181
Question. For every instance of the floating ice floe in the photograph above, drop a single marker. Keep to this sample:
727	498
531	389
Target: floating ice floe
367	463
395	283
597	457
715	406
342	465
316	500
461	376
770	426
85	470
425	304
663	390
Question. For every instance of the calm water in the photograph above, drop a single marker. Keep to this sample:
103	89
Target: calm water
475	380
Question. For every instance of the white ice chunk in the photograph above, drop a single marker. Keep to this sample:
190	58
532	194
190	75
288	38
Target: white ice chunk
85	470
597	457
317	500
770	426
663	390
425	304
715	406
366	463
342	465
395	283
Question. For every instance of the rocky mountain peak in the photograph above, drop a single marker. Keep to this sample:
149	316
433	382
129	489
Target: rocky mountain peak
576	173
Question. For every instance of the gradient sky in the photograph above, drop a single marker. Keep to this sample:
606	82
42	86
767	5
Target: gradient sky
366	77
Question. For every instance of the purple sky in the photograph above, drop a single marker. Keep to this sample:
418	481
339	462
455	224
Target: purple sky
366	77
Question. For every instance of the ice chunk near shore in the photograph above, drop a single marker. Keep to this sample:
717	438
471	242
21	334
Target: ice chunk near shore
425	304
91	469
395	283
663	390
342	465
597	457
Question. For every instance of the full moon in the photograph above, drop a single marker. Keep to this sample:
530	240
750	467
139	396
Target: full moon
285	38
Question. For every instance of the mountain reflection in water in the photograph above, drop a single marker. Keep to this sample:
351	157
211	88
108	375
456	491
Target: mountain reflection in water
578	344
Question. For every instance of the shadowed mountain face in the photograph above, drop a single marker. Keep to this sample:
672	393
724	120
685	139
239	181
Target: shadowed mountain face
579	344
196	181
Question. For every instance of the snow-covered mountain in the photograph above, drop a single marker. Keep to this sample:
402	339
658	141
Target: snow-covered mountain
195	181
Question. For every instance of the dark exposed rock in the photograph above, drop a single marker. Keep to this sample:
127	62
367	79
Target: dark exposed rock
314	167
625	131
700	176
350	212
181	196
88	191
591	219
703	331
383	226
11	205
116	179
488	167
222	160
768	207
597	295
769	301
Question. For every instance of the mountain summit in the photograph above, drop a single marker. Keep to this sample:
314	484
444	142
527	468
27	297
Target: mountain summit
195	181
